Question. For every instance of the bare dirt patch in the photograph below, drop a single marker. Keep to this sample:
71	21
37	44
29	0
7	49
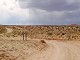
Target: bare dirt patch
20	50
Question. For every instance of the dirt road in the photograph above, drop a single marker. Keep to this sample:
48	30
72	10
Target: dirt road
59	51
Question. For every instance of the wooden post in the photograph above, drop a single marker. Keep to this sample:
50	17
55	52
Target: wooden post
24	35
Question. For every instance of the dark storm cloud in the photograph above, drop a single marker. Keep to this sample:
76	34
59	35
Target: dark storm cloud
73	16
52	11
42	17
50	5
56	17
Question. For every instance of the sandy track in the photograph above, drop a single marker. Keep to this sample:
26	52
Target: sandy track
9	30
59	51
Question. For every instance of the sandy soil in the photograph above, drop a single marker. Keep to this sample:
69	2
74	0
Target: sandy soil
59	51
35	50
9	30
17	49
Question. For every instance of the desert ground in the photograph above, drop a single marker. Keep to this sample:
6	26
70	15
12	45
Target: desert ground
40	42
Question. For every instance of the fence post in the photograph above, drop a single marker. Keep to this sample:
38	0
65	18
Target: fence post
24	35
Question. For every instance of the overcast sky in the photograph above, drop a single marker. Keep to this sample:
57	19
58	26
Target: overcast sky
39	12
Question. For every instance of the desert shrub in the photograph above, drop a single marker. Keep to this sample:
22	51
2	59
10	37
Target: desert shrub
2	29
49	33
5	56
42	41
63	33
68	36
17	32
